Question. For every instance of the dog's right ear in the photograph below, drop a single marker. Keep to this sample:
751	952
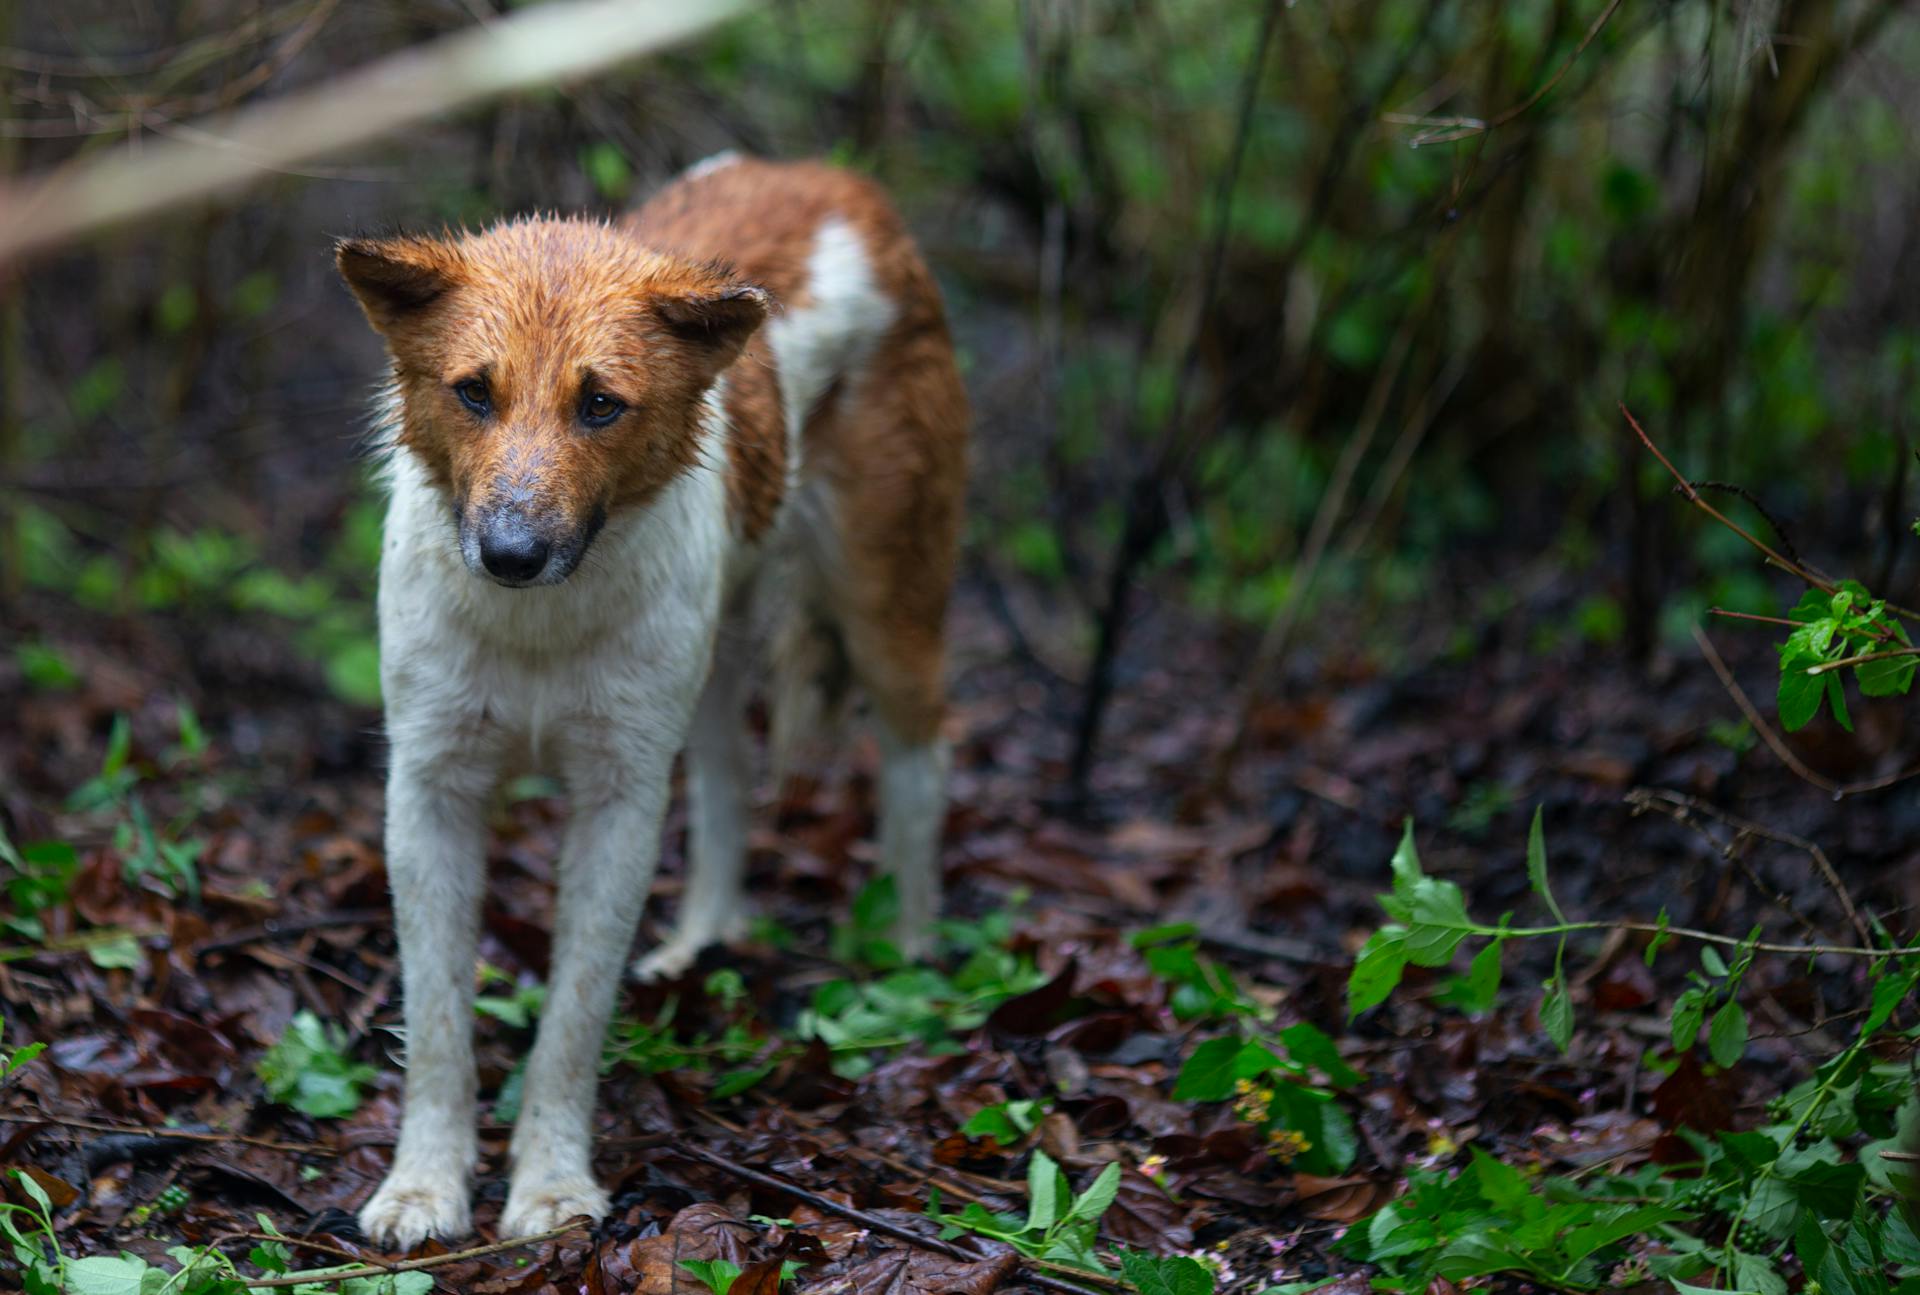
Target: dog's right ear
396	279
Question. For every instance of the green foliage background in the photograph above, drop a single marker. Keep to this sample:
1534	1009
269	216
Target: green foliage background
1707	209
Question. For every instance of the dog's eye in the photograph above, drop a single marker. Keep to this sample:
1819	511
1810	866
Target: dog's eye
599	409
474	395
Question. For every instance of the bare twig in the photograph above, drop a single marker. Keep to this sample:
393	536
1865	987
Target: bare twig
876	1223
1446	130
416	1265
1773	740
1680	805
532	47
1691	493
1826	667
174	1135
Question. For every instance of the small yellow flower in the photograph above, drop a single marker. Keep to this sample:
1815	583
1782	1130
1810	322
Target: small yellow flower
1442	1147
1285	1144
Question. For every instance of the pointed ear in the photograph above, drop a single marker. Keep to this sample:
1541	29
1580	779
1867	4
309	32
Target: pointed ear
720	320
396	279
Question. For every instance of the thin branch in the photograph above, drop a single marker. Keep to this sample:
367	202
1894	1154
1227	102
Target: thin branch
876	1223
1826	667
1681	805
1691	494
1773	740
1446	130
416	1265
550	44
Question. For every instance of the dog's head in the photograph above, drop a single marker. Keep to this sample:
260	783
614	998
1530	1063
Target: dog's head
550	373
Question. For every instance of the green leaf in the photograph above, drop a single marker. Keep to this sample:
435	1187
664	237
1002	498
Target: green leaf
1504	1187
1477	991
1045	1187
1887	677
1211	1072
1377	970
1537	865
1660	937
1889	991
1477	1255
1689	1010
1799	693
1727	1037
122	951
1556	1013
1089	1205
103	1275
1406	863
1828	1190
1175	1275
1436	918
1309	1044
716	1274
1756	1273
1837	699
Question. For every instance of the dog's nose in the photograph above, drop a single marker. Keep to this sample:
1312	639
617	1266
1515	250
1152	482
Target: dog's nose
509	550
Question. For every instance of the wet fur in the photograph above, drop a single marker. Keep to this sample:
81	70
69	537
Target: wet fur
792	452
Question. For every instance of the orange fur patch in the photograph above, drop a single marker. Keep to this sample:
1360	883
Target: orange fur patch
546	313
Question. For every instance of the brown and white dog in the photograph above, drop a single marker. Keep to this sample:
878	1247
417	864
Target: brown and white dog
616	450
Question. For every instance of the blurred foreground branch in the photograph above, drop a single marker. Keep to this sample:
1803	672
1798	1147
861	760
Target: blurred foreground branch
551	44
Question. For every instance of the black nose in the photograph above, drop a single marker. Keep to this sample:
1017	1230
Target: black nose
511	551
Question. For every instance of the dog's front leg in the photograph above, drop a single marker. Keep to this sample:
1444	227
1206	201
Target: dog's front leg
436	864
606	866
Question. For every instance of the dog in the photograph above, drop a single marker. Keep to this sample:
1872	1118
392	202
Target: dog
622	454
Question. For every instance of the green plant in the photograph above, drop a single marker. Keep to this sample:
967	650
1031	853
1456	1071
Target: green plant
739	1056
1165	1274
1808	1188
1269	1078
1203	990
38	877
43	1269
12	1060
718	1275
308	1069
1005	1122
1059	1226
1836	626
519	1009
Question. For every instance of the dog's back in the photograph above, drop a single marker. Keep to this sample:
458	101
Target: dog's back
848	430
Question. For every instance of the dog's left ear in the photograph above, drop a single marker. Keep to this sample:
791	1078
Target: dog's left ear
395	279
719	320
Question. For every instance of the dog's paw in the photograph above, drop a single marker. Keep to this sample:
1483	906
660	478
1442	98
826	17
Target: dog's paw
551	1203
668	962
410	1207
673	959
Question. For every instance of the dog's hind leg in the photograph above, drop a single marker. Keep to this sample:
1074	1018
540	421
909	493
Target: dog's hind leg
719	771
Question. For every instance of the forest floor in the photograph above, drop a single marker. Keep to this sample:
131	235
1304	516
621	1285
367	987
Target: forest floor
242	853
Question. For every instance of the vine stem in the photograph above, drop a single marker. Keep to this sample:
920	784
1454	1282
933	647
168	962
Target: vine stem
1683	932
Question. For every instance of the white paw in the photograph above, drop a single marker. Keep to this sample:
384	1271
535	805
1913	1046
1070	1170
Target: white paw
682	949
668	962
548	1204
410	1207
